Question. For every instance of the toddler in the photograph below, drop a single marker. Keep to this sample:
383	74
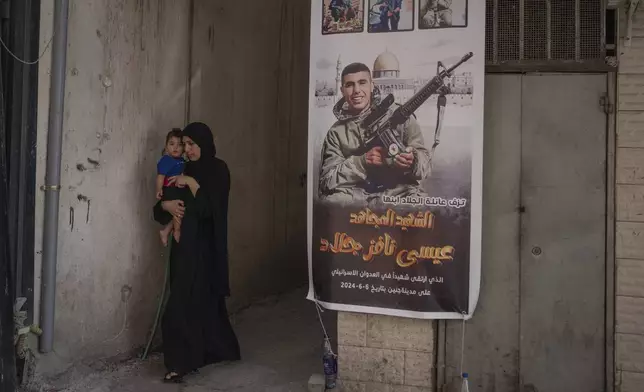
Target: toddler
171	164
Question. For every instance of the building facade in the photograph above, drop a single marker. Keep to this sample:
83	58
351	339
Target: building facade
551	316
130	81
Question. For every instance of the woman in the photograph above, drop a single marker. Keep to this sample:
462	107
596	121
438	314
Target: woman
195	326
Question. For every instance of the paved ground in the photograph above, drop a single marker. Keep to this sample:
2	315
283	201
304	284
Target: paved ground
281	347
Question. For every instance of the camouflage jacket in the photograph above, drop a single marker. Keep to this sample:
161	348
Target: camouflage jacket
344	173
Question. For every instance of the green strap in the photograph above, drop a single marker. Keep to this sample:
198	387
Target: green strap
163	300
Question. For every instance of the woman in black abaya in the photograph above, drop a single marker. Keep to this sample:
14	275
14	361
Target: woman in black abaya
195	326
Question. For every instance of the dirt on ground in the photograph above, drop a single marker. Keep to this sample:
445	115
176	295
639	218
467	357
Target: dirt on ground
281	341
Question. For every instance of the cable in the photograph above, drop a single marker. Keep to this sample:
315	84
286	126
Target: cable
24	61
463	344
161	304
124	325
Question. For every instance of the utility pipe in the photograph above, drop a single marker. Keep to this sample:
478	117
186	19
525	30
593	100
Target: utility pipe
52	176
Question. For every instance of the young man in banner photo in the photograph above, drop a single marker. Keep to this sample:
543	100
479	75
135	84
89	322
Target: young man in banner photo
351	175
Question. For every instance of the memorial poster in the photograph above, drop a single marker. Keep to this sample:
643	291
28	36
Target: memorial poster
395	156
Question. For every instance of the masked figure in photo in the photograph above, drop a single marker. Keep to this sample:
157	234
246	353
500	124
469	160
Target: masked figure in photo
393	13
378	20
341	10
351	174
435	13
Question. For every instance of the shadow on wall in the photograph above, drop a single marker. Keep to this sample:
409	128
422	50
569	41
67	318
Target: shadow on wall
127	87
253	94
254	99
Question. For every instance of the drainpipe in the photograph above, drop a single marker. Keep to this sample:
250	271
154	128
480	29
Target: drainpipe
52	176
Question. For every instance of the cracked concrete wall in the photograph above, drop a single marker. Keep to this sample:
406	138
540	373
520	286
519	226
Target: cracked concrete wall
126	87
129	80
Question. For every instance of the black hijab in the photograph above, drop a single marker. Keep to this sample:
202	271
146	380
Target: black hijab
213	177
202	136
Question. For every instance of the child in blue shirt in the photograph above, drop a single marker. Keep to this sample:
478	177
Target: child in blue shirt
171	164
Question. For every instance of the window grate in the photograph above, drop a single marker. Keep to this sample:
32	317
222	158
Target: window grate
534	19
508	30
544	32
590	30
563	24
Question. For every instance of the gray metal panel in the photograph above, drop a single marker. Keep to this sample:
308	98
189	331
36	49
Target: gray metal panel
492	336
610	235
564	194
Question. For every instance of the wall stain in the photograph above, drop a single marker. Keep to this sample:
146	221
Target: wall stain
86	199
160	12
104	137
142	20
94	162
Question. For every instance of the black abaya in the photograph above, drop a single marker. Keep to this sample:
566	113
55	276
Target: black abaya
195	326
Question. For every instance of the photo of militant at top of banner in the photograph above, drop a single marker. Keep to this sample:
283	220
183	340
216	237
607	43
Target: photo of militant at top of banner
382	123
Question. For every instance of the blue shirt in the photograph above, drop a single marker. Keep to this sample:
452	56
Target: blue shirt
169	166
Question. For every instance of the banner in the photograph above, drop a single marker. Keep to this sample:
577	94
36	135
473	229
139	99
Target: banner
395	156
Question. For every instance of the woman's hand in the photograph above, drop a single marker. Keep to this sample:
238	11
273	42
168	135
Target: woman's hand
182	181
174	207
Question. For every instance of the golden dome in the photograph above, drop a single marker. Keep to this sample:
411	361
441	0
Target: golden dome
386	61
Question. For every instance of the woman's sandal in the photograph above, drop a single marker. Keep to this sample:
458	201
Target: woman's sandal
173	377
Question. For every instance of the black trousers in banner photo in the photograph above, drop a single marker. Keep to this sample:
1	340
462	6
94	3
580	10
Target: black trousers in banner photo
395	156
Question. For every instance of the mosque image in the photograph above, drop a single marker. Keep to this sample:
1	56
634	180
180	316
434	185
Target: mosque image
386	76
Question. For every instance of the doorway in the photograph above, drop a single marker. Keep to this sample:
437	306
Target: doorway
540	324
19	56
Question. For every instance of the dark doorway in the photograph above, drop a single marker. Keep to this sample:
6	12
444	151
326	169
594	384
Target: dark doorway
19	54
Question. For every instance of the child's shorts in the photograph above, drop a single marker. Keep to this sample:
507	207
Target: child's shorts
175	193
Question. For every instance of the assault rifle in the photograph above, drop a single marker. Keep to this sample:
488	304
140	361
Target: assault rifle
381	125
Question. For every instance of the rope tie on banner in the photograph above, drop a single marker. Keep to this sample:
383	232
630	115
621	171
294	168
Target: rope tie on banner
319	310
462	343
329	358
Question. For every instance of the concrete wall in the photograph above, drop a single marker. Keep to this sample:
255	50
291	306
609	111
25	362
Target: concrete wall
629	339
129	80
126	85
250	64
